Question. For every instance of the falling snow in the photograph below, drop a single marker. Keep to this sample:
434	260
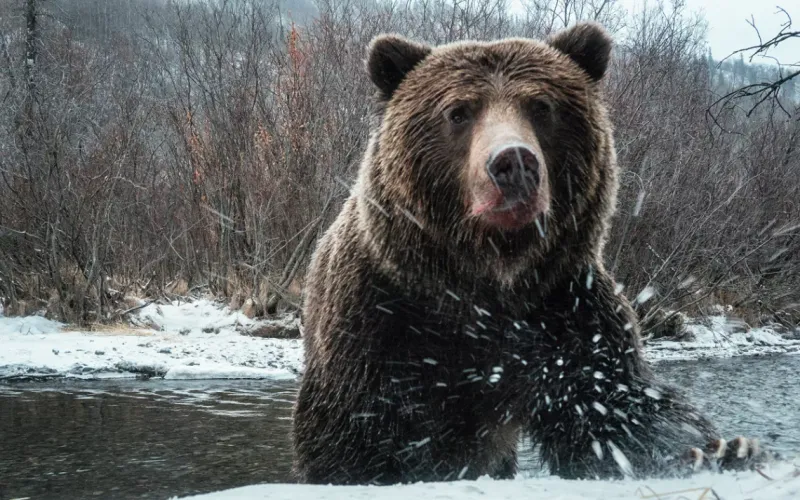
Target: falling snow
619	457
652	393
645	295
600	408
598	449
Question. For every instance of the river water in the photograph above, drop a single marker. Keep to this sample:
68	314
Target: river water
155	439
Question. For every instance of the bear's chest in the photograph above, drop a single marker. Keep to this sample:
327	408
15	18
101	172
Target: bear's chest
480	359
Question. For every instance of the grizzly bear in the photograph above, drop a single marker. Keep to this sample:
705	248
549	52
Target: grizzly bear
459	301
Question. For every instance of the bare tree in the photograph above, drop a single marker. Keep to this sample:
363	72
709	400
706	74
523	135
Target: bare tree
754	94
156	147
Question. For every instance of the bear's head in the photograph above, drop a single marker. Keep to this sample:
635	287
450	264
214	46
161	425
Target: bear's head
492	151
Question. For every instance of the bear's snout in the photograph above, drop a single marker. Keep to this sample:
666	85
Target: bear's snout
515	171
507	178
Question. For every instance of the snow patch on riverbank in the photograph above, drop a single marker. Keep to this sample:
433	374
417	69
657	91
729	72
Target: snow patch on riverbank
194	340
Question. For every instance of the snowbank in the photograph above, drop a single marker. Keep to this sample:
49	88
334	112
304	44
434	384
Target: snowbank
784	484
203	340
29	325
200	316
188	372
718	337
198	340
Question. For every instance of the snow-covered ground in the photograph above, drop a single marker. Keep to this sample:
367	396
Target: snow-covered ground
198	340
202	340
721	337
782	482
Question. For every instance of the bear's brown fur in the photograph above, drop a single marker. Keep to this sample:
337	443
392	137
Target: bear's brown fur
446	314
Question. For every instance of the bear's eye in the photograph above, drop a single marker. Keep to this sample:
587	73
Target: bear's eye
459	114
539	109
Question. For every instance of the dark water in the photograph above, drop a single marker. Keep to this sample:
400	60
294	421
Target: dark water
755	397
154	439
138	439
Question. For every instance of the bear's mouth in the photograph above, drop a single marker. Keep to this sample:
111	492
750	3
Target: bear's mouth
511	215
506	214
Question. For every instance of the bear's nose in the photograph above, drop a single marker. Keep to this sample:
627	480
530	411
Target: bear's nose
514	169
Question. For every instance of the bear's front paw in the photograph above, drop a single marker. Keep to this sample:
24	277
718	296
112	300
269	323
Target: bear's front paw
737	454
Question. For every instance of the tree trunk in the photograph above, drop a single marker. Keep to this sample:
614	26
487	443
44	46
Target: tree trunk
31	53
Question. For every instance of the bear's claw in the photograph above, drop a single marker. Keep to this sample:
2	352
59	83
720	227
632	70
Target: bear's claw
721	455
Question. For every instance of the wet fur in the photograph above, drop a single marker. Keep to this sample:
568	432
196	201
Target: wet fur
434	343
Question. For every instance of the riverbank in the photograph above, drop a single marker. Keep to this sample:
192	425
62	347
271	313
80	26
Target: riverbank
203	339
183	340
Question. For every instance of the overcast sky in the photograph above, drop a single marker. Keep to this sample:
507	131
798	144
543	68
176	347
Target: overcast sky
727	24
728	28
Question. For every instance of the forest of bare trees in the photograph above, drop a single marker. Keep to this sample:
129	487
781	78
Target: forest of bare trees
153	147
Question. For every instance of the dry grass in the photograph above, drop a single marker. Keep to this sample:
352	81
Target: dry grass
111	330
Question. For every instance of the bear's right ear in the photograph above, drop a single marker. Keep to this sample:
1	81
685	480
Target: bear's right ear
390	58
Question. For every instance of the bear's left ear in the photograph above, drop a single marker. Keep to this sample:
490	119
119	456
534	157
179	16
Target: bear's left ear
588	44
390	58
